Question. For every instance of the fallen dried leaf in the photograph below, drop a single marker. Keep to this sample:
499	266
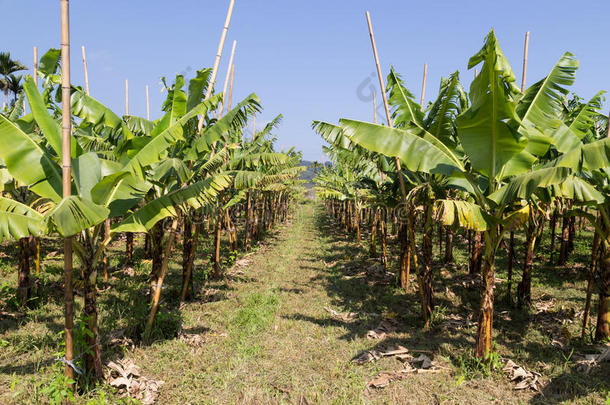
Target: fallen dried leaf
381	331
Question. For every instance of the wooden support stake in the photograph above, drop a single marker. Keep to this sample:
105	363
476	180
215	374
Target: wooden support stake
36	65
66	182
86	72
387	108
423	87
221	45
476	73
147	104
227	78
525	50
231	88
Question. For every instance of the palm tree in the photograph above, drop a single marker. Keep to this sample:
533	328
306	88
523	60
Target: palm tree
14	85
7	67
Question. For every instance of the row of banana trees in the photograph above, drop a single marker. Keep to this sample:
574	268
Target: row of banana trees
131	175
487	163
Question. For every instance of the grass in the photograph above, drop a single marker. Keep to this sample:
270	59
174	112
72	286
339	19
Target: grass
281	346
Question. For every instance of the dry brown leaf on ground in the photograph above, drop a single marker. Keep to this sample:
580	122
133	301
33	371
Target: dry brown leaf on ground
342	316
381	331
127	378
523	378
366	356
590	361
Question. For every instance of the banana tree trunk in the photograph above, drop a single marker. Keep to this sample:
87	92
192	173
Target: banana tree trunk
217	240
128	248
590	281
156	238
189	246
602	329
93	357
486	311
384	239
37	260
425	275
357	223
248	220
373	245
553	226
475	258
159	282
24	289
404	257
411	247
448	245
565	235
524	290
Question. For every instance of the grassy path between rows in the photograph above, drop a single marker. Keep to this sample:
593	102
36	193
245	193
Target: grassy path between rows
266	337
282	346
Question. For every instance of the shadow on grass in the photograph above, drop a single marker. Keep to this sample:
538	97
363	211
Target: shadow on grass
517	332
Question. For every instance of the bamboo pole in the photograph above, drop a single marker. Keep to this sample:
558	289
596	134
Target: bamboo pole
231	88
224	91
36	65
221	45
86	72
66	181
385	103
423	87
126	97
147	104
525	51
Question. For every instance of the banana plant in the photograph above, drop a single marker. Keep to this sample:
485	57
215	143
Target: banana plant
497	163
101	189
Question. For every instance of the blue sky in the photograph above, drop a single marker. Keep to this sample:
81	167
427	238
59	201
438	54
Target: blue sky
309	60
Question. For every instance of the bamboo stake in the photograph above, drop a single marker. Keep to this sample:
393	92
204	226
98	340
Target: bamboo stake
221	45
86	72
224	91
423	88
385	103
126	97
66	182
231	88
476	73
525	51
147	104
36	65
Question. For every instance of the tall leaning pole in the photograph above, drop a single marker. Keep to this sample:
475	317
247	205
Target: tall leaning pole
401	181
221	46
66	183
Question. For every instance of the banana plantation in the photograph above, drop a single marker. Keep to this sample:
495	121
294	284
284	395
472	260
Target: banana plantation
455	250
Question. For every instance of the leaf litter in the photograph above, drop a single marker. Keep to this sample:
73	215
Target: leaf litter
127	377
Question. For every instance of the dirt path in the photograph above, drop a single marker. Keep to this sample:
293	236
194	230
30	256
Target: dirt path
282	346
